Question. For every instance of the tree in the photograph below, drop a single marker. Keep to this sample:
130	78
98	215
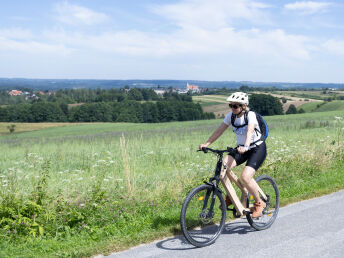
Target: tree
266	105
244	88
301	110
47	112
135	94
291	110
11	128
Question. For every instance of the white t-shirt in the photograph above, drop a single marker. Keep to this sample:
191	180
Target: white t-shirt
242	131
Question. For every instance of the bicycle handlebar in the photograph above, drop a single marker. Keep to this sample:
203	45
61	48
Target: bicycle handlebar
229	150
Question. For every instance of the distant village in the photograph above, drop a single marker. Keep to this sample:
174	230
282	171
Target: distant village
29	95
190	88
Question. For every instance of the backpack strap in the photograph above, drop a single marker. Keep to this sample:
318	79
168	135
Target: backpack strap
233	117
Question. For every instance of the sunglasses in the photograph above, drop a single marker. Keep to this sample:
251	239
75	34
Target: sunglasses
234	106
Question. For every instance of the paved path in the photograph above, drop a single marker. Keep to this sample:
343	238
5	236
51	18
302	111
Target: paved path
312	228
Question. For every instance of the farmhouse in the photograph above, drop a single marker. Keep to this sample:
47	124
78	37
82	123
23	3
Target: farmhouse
15	92
192	88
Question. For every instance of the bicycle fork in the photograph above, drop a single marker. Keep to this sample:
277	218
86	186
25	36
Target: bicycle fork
210	213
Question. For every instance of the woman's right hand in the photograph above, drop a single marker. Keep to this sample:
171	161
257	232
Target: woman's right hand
203	145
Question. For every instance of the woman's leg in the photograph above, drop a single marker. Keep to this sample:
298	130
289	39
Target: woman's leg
250	183
230	161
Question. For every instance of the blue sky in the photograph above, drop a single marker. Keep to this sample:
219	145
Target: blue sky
239	40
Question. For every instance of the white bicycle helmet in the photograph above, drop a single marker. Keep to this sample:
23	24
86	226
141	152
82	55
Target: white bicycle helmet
239	97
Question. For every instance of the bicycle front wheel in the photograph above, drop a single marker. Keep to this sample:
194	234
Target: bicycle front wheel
270	189
203	216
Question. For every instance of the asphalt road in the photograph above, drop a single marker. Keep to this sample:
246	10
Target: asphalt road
312	228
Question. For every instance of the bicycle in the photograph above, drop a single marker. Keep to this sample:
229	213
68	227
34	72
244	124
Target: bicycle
203	214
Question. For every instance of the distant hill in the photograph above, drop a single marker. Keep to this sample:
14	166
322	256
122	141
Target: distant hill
55	84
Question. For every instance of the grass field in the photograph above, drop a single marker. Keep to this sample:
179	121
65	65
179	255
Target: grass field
213	103
218	105
86	189
27	127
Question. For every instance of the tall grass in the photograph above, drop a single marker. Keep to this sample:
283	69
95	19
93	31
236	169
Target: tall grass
69	190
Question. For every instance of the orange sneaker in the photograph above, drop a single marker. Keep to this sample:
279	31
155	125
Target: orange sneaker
258	209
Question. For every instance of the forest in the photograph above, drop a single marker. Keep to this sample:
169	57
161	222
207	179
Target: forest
134	105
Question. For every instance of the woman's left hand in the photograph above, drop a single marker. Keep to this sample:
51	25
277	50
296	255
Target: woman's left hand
242	149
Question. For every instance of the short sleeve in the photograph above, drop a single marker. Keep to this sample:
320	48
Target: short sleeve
251	118
228	118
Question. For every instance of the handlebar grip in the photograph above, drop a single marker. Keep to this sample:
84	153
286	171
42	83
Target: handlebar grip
205	149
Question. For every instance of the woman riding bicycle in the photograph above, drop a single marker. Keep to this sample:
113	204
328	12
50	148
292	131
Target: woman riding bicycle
250	146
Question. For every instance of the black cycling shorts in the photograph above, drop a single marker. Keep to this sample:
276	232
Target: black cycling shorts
254	156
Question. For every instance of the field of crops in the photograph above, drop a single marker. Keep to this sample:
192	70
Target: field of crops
92	188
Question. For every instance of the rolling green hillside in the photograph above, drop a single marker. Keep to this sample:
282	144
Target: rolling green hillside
323	106
87	189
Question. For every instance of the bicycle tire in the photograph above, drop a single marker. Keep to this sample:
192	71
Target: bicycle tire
198	229
270	188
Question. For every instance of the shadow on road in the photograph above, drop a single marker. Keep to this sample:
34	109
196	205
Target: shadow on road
175	243
180	243
237	227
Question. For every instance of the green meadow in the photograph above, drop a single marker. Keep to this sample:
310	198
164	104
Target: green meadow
323	106
86	189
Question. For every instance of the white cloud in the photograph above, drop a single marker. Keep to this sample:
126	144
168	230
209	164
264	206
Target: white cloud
308	7
15	33
77	15
204	28
190	42
335	46
211	14
31	46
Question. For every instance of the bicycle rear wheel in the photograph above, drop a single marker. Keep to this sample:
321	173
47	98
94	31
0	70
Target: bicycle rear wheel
269	187
201	219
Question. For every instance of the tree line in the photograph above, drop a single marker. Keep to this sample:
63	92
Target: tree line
72	96
124	111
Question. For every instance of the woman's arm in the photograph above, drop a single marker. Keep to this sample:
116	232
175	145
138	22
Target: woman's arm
218	132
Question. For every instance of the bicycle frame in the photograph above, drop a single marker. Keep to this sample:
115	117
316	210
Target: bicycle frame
227	177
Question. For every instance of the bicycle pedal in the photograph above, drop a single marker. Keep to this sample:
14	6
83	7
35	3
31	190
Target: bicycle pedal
229	209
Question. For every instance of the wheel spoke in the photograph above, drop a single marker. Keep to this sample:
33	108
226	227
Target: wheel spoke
269	214
200	224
